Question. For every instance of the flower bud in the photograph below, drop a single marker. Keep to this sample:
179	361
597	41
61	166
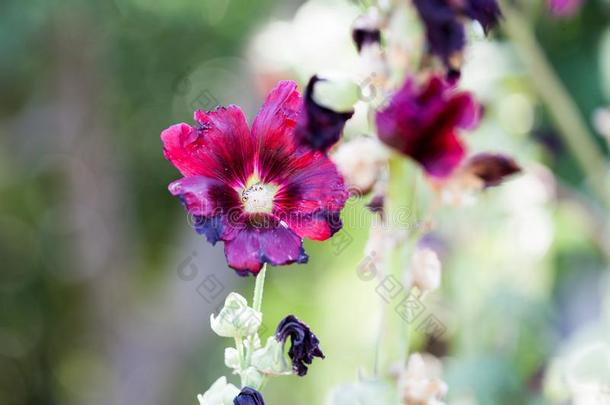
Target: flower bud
361	162
251	377
232	358
220	393
420	383
236	318
426	269
270	360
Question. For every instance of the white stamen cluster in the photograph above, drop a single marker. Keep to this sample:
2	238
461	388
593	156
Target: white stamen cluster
258	198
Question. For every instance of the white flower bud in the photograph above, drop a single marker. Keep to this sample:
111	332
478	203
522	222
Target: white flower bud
232	358
236	318
426	269
336	93
270	360
420	383
361	162
220	393
252	378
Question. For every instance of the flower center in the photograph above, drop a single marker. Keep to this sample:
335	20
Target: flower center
258	198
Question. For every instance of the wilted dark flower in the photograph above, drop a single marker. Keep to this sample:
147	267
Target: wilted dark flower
249	396
443	20
423	121
319	127
304	345
491	168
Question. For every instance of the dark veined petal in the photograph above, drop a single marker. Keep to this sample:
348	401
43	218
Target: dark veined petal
273	129
249	396
317	226
219	147
204	196
252	245
304	345
491	168
319	127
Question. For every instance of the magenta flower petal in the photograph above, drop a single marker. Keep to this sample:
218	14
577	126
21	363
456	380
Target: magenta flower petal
252	246
422	122
257	191
203	196
219	147
319	226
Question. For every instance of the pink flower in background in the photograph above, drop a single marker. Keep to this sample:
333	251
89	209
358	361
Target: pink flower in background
257	190
565	8
422	122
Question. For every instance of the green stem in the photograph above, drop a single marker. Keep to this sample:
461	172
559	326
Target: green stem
240	349
564	111
257	303
399	212
259	286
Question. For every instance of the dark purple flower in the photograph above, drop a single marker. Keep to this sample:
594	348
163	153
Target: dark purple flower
257	189
443	20
491	168
422	122
319	127
304	345
249	396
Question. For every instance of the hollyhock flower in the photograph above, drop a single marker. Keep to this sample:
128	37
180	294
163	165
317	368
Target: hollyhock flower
304	345
249	396
257	189
423	121
564	8
443	20
321	124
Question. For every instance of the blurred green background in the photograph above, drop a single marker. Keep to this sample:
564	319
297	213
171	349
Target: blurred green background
105	291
